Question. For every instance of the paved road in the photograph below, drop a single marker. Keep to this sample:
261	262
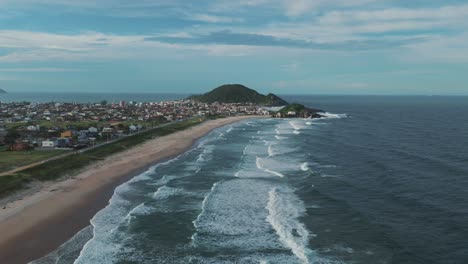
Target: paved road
19	169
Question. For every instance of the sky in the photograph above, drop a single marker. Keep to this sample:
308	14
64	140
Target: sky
408	47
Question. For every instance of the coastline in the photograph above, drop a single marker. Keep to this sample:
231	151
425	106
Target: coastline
36	225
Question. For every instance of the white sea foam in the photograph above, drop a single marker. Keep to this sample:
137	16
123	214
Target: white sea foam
229	130
330	115
294	125
309	123
103	247
260	166
245	150
284	209
296	132
280	137
328	176
327	166
165	179
305	166
141	209
233	216
271	153
68	249
206	153
165	192
203	208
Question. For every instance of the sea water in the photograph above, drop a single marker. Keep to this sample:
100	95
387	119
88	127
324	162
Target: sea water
378	180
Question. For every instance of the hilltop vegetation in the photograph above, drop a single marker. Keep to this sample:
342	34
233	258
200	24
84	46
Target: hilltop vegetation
237	93
298	110
292	108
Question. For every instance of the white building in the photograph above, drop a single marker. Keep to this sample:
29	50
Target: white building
49	144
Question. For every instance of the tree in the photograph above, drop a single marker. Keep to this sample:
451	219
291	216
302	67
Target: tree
11	136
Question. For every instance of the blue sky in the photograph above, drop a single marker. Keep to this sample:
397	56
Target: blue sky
282	46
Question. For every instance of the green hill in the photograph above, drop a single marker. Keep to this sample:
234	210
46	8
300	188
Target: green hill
237	93
2	91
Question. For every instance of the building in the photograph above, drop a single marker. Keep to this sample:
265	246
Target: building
19	146
49	144
66	134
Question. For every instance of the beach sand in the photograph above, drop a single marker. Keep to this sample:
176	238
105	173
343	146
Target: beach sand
36	225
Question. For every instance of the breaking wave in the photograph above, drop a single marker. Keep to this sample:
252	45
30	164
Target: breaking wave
284	210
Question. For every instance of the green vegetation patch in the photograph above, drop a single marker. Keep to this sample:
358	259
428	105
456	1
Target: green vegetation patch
11	183
13	159
293	108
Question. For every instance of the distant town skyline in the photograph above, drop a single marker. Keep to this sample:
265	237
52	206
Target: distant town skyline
354	47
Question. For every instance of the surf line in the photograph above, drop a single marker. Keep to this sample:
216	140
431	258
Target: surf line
261	167
283	212
203	207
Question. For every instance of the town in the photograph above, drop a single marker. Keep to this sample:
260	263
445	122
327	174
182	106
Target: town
68	126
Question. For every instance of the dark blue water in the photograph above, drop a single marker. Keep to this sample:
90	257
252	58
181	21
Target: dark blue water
403	166
382	180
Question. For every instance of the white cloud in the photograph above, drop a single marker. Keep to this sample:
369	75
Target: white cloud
214	19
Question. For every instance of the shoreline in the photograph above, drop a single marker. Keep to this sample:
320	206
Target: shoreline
37	224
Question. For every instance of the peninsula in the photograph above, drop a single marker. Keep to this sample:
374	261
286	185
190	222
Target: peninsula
240	94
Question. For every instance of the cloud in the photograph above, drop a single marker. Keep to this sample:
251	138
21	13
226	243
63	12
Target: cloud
214	19
319	25
296	8
227	37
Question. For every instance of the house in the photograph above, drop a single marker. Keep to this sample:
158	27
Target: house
33	128
66	134
64	142
93	130
49	144
19	146
292	113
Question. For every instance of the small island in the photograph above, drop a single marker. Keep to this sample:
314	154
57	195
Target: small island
297	111
2	91
242	95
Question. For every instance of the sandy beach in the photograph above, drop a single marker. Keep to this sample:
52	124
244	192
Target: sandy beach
38	223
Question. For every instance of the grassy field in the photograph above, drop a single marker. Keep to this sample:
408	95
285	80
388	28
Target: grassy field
13	159
55	169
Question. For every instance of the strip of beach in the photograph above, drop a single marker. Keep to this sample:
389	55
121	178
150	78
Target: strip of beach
37	224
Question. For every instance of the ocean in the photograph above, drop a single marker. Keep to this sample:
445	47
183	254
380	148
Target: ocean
380	179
